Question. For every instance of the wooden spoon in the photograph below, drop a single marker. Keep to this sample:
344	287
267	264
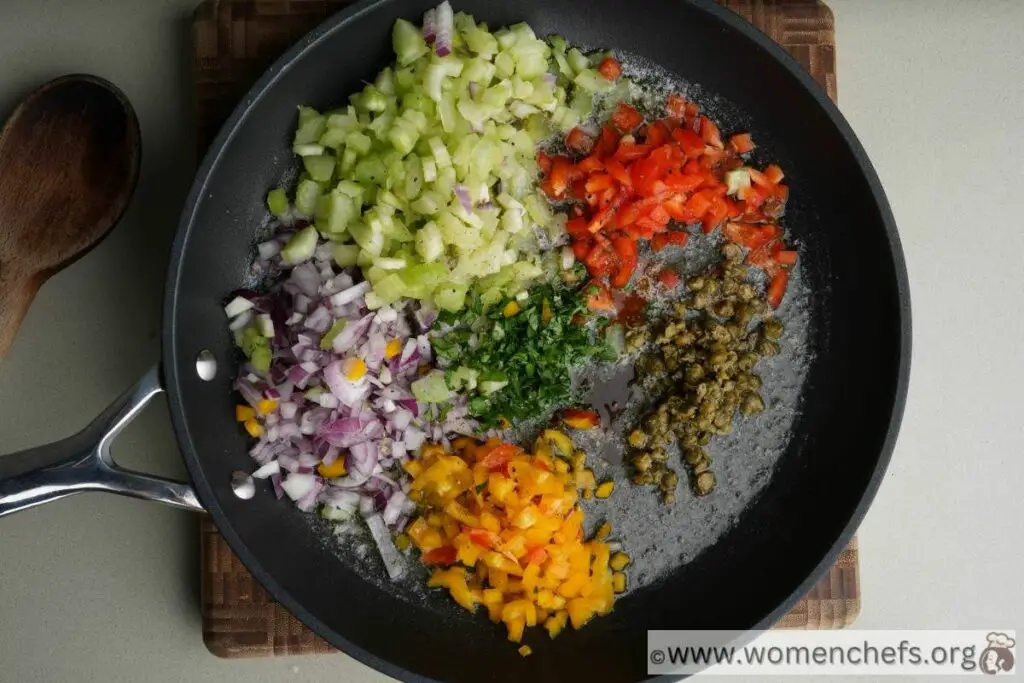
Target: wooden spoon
69	159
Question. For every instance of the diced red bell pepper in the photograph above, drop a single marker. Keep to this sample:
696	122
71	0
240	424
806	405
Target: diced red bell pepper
582	247
588	165
536	556
741	143
599	298
676	208
610	68
750	236
577	228
544	163
443	555
630	151
579	141
774	174
710	133
607	142
618	171
600	261
777	288
657	134
675	106
669	278
558	179
581	419
487	539
625	249
659	241
681	183
690	143
715	215
599	182
626	117
786	258
699	202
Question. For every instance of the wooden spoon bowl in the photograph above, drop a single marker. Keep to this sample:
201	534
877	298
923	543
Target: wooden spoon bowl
69	161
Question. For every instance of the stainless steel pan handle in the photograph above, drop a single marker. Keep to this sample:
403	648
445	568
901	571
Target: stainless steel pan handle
83	462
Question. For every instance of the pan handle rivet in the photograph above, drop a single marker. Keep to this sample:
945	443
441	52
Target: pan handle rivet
242	485
206	365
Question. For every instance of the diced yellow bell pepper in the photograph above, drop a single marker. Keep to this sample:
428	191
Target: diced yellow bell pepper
334	470
254	428
515	629
393	348
511	309
556	623
244	413
525	651
619	582
619	561
266	406
604	489
354	369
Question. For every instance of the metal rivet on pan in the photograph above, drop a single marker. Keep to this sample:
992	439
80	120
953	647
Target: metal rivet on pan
242	485
206	365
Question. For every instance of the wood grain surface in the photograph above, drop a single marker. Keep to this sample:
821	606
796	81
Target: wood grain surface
69	159
234	42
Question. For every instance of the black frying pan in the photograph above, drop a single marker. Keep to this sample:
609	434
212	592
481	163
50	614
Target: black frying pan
857	328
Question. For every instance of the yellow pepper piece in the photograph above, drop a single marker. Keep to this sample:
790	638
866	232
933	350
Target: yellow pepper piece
525	651
619	561
393	348
603	531
559	440
254	428
354	369
605	489
556	623
511	308
619	582
266	406
334	470
244	413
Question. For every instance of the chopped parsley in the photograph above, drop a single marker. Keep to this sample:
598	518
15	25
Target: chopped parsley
520	363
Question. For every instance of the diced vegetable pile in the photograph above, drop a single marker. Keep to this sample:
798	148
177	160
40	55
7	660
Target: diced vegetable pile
635	179
507	530
427	180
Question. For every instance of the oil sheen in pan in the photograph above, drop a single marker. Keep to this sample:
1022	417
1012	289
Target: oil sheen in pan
658	537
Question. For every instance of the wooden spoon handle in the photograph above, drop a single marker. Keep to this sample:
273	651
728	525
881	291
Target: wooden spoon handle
16	293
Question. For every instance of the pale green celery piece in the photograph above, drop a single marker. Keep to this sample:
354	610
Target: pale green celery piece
504	65
385	81
426	205
345	255
440	153
447	113
371	241
424	275
429	170
320	168
396	230
389	288
308	150
592	81
463	378
403	136
491	297
352	189
371	170
344	122
300	247
558	43
277	201
431	388
305	197
311	126
359	143
481	42
433	81
407	41
334	138
348	160
364	259
450	297
313	392
413	178
328	339
521	88
342	210
577	60
390	263
429	242
405	78
506	39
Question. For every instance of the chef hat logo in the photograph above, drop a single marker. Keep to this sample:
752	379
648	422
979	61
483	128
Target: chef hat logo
997	657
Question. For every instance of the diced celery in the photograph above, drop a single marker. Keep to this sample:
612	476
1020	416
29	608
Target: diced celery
345	122
481	42
342	210
305	197
577	60
348	160
371	170
300	247
425	274
457	233
352	190
371	241
433	81
345	255
403	136
429	242
311	126
407	41
538	209
390	263
359	143
320	168
592	81
504	65
450	297
431	388
426	205
440	153
463	378
413	178
390	288
386	81
277	201
328	338
308	150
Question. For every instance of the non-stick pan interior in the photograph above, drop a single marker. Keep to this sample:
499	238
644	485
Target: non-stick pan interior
857	335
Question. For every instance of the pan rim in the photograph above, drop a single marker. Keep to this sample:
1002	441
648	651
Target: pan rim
173	372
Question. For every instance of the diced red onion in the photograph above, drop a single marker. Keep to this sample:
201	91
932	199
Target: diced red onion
352	334
272	467
269	250
351	294
275	481
430	26
445	19
240	321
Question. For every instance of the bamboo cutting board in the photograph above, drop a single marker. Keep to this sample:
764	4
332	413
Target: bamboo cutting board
234	41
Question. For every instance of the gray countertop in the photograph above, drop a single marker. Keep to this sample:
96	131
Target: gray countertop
101	588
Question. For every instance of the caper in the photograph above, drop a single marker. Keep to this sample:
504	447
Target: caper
767	348
704	483
772	329
637	439
752	404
